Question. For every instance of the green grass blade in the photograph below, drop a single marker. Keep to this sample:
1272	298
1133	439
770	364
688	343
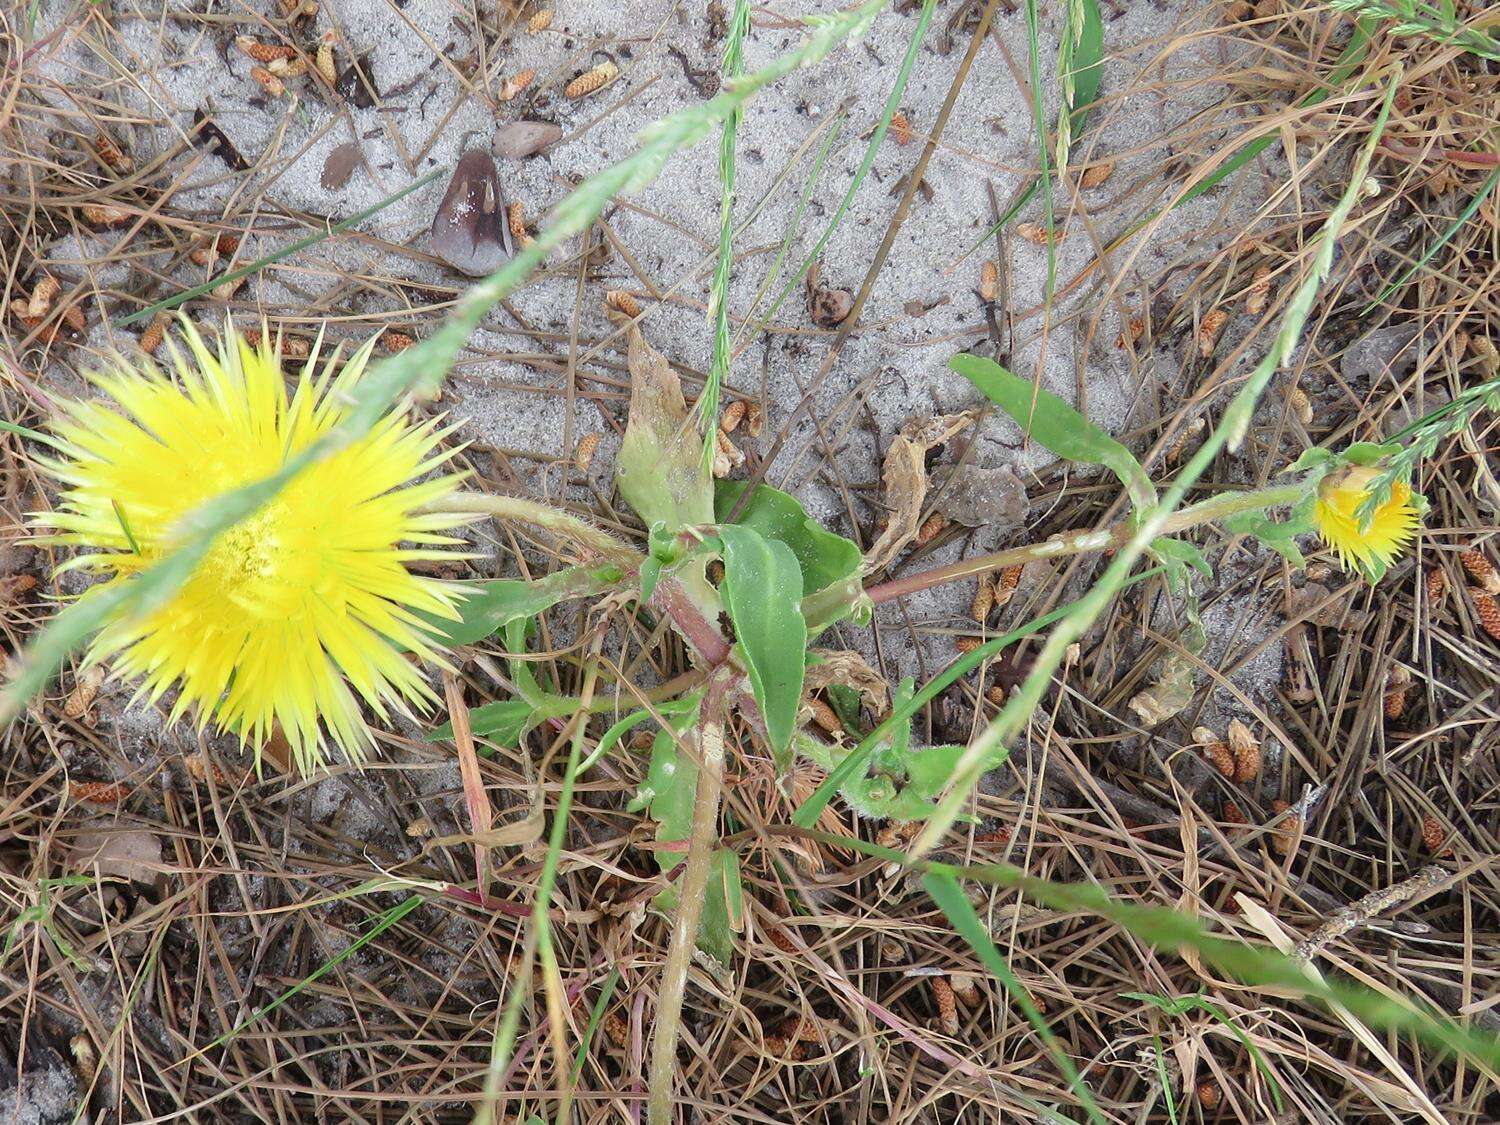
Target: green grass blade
949	896
892	103
808	812
1463	217
596	1017
718	298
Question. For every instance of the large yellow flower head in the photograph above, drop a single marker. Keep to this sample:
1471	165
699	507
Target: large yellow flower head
1392	527
302	610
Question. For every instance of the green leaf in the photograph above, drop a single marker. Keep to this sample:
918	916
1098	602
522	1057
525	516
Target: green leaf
723	913
1088	63
1177	555
660	469
1369	452
825	558
1056	425
950	898
762	591
507	721
504	600
1278	535
1315	458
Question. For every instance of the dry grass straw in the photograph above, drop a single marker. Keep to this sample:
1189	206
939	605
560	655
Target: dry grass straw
118	983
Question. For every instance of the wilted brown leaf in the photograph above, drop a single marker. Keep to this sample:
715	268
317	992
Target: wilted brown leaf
905	478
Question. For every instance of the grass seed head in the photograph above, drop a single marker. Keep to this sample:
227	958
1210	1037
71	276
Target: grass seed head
98	792
947	1005
110	152
989	281
1259	293
733	415
1487	612
591	81
583	452
1209	329
511	87
269	82
1097	175
1433	833
1479	568
931	528
105	215
900	129
984	599
539	22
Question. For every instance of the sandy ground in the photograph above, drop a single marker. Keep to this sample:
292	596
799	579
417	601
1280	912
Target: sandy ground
440	93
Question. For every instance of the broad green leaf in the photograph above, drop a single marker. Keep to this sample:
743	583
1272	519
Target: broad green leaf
504	600
825	558
1056	425
1178	555
723	913
846	703
762	591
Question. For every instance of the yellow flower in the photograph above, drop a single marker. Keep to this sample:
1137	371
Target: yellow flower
302	610
1394	525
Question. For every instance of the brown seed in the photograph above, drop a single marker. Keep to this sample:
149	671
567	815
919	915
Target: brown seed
418	828
1208	330
289	68
1487	611
540	22
1300	405
1035	233
900	129
394	341
1132	332
1246	751
98	792
1221	757
583	452
984	599
226	288
966	988
931	527
151	338
1184	439
263	52
1437	585
73	317
780	939
826	718
1259	292
323	61
591	80
200	769
85	688
726	450
966	645
268	81
996	694
800	1030
43	295
510	87
996	836
1209	1094
1397	684
622	302
755	419
1480	569
947	1005
515	218
989	281
1097	175
1433	833
1286	833
111	153
617	1029
1005	584
781	1046
105	215
733	415
1233	814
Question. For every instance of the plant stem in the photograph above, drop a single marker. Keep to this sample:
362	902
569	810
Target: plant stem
1078	542
689	902
560	523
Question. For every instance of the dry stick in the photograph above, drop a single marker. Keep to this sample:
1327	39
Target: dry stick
689	900
1360	913
913	182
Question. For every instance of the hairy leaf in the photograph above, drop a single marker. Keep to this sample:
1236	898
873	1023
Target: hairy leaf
499	602
660	467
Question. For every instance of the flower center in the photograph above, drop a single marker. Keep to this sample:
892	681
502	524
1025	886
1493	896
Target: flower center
246	563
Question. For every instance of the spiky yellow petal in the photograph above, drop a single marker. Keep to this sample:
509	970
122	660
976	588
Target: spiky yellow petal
1371	549
300	612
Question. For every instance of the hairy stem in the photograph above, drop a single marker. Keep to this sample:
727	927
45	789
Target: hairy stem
562	524
1078	542
689	904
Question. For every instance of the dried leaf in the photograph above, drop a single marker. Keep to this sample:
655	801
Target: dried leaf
977	496
339	165
1171	693
469	230
129	853
521	139
850	669
905	477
